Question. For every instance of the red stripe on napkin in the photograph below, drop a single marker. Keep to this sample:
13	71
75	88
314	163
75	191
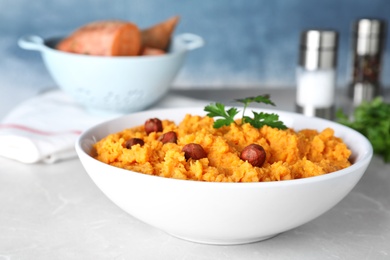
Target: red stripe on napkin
37	131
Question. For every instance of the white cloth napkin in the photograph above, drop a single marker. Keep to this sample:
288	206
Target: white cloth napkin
45	127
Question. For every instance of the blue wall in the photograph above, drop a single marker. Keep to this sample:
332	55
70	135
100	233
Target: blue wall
248	42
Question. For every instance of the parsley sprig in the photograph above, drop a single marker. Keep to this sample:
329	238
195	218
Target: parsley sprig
372	119
258	120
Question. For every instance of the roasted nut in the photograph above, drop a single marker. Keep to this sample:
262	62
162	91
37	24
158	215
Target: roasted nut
168	137
132	141
194	151
153	125
254	154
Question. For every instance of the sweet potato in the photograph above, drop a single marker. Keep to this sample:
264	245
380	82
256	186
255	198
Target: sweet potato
159	35
104	38
148	51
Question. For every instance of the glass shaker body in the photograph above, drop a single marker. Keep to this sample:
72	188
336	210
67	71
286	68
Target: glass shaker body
316	92
367	51
316	73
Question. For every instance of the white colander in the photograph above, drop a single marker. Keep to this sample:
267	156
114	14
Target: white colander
108	85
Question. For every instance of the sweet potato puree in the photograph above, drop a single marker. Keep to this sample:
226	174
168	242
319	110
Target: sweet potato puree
289	154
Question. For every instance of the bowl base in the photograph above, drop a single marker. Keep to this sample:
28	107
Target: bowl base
224	242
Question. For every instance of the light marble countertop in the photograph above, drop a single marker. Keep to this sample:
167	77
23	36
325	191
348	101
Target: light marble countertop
55	211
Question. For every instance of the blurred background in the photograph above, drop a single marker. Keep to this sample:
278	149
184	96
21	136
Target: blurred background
249	43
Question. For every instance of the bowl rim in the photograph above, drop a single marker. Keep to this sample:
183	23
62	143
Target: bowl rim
188	42
363	161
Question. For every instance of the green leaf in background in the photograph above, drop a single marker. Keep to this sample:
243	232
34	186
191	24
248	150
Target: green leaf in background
372	119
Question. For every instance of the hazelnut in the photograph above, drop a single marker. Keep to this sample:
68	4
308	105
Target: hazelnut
153	125
254	154
168	137
194	151
133	141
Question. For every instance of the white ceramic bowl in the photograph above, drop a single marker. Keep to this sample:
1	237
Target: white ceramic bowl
223	213
113	85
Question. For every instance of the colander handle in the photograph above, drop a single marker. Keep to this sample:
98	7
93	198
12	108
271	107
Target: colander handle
31	42
191	41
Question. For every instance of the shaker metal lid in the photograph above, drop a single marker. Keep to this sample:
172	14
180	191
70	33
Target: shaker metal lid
367	27
369	36
318	49
319	39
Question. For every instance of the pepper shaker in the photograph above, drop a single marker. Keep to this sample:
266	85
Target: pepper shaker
368	46
316	73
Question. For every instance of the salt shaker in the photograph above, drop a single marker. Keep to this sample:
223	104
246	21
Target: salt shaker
367	50
316	73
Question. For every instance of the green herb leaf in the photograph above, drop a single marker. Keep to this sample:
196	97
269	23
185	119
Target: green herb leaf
258	120
261	119
259	99
218	110
372	119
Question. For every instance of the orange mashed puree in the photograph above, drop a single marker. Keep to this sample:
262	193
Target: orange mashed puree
289	154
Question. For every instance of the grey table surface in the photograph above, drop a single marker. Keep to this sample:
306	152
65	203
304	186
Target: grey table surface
56	212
